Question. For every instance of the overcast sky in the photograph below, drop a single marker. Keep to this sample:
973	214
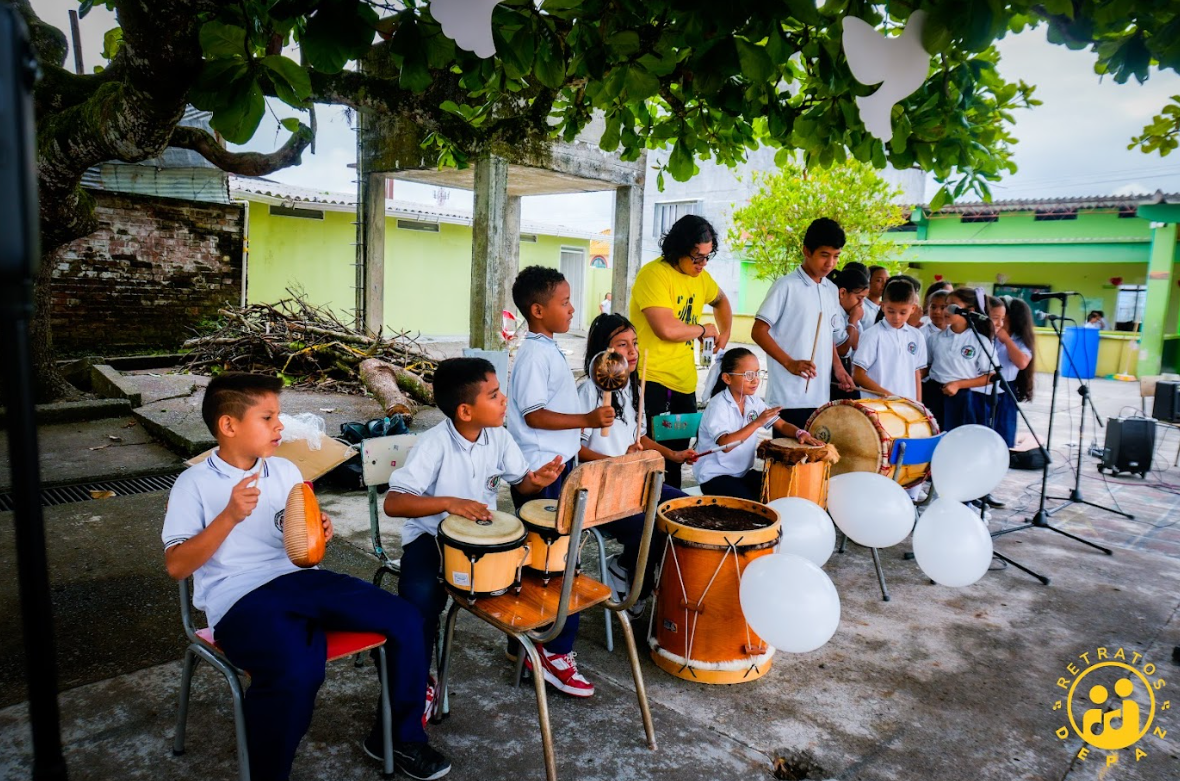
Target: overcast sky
1073	144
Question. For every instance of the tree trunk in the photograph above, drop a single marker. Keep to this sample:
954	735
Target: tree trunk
50	384
380	380
414	385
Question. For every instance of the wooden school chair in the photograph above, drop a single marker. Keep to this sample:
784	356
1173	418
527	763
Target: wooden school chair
201	646
593	494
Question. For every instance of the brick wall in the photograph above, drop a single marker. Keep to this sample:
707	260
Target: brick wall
154	269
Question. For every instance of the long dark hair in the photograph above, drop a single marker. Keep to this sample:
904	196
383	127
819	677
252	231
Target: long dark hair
1020	318
966	296
604	328
687	232
853	277
729	362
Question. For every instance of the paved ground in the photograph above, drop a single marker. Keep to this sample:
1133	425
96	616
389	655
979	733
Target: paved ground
936	684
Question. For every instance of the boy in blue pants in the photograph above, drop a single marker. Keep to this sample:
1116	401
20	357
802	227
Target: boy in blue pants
224	527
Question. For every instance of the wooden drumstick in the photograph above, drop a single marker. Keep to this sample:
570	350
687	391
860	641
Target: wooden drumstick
642	392
819	322
605	430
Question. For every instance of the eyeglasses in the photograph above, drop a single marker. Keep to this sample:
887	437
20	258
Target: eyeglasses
750	376
695	258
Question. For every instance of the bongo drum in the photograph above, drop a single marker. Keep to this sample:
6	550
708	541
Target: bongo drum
863	431
697	630
482	558
794	469
547	548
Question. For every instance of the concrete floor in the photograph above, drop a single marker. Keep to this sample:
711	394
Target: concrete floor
936	684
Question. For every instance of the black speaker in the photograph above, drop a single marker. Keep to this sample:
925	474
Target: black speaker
1130	443
1167	401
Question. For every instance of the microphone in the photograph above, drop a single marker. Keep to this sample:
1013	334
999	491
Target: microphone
1059	296
955	309
1045	316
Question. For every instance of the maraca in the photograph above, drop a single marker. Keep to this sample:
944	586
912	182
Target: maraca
610	371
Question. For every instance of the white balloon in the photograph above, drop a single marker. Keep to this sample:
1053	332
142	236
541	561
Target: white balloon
870	508
968	463
951	544
790	602
807	529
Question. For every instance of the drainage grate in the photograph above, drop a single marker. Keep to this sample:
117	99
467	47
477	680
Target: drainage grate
80	492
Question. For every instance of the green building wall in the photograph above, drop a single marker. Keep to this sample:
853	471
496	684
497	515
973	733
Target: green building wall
427	274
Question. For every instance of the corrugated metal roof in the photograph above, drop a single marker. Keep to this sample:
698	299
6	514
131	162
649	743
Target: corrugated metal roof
268	190
177	173
1058	204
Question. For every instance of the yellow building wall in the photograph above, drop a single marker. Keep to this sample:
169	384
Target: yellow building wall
427	274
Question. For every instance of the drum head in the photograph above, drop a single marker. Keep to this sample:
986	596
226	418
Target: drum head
502	529
541	513
787	450
850	429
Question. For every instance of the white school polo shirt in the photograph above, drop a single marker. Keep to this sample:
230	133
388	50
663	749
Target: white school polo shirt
621	434
959	356
791	309
722	417
541	379
253	553
890	356
870	315
1008	370
444	463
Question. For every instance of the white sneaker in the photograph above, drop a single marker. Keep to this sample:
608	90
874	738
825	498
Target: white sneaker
619	581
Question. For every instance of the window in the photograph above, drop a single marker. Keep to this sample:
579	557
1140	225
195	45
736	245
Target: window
980	218
667	213
1128	212
294	211
414	225
1129	309
530	238
1047	215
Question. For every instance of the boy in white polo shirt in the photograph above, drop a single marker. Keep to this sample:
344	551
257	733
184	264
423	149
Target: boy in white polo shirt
892	354
455	469
224	527
785	327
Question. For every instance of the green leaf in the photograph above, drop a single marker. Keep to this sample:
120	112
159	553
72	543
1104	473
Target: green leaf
291	124
680	163
517	55
84	8
112	41
610	135
292	84
756	64
940	199
639	84
623	44
210	92
222	40
805	11
337	33
549	63
239	118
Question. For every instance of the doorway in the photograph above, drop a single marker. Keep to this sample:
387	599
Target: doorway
573	268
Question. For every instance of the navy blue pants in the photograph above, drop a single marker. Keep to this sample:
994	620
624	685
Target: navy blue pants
747	486
959	410
421	586
276	633
1005	419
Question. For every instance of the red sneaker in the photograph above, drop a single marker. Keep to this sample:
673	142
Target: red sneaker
561	672
431	693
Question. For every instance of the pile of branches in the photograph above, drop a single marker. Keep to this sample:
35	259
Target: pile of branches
307	346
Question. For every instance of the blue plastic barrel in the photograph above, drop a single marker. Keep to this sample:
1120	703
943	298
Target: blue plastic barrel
1080	344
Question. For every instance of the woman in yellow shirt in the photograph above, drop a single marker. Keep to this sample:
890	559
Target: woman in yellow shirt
667	299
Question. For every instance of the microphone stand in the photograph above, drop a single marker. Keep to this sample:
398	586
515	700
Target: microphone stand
1040	519
998	379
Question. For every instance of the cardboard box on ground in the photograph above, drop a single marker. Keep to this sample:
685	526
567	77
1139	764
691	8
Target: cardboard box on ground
313	464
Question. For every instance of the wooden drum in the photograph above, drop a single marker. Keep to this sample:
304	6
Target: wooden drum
793	469
863	431
547	548
698	631
482	558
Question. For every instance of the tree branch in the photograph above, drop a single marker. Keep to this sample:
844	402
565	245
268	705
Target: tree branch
242	163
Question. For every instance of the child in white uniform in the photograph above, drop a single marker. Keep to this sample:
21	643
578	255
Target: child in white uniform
959	361
892	353
732	418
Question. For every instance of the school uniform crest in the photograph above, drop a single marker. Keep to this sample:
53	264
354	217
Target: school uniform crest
279	518
837	321
912	347
493	482
751	416
968	352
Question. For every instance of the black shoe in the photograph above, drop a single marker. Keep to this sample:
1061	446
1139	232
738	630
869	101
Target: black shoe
991	501
420	761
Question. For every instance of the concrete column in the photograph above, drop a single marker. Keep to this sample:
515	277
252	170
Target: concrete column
373	215
627	252
495	251
1161	282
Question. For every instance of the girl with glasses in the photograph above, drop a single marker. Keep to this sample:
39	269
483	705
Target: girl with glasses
726	437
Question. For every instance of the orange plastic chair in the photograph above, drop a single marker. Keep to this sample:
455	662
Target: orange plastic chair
341	644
